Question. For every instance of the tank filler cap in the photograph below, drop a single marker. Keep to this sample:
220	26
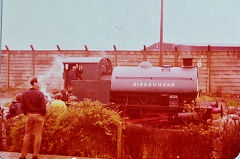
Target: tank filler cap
145	64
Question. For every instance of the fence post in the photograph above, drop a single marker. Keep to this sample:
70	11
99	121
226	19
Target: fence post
86	51
119	141
8	66
33	60
144	53
176	56
209	69
59	49
115	55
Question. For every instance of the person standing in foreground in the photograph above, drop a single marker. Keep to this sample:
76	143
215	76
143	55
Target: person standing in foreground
34	106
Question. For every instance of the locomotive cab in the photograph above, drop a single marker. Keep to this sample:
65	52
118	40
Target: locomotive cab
88	77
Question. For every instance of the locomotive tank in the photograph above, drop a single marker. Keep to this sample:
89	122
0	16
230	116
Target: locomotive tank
145	84
148	79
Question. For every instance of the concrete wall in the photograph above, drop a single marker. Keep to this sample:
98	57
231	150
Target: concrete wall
220	70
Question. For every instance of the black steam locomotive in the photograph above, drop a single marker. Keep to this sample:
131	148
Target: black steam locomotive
143	93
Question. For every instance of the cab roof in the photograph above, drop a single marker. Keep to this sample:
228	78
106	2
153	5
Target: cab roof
82	59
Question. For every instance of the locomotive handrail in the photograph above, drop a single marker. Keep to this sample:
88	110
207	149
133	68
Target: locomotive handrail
172	78
155	78
133	77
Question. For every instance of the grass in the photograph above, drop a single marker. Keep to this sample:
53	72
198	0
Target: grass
230	100
207	98
233	102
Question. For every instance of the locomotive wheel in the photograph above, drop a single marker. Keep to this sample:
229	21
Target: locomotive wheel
143	99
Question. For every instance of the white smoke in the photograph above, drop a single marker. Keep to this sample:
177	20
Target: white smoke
52	78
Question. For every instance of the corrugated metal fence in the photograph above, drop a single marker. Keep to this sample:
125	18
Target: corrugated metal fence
219	71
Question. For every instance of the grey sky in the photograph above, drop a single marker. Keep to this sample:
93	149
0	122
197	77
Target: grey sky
129	24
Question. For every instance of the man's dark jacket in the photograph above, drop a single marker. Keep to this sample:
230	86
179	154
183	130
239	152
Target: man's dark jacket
33	101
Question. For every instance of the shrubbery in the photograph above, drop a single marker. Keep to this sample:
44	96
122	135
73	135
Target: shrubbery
85	129
188	142
89	129
230	137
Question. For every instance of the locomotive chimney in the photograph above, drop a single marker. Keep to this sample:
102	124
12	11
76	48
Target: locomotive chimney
187	61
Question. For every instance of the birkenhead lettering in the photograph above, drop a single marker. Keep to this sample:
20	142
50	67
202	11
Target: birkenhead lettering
161	84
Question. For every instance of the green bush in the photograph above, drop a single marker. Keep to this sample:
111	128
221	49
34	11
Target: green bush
84	129
230	138
193	141
89	129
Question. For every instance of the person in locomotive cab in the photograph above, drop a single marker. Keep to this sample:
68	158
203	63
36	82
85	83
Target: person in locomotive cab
79	71
71	75
65	95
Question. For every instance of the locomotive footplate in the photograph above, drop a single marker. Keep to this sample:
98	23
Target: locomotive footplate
151	112
164	114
